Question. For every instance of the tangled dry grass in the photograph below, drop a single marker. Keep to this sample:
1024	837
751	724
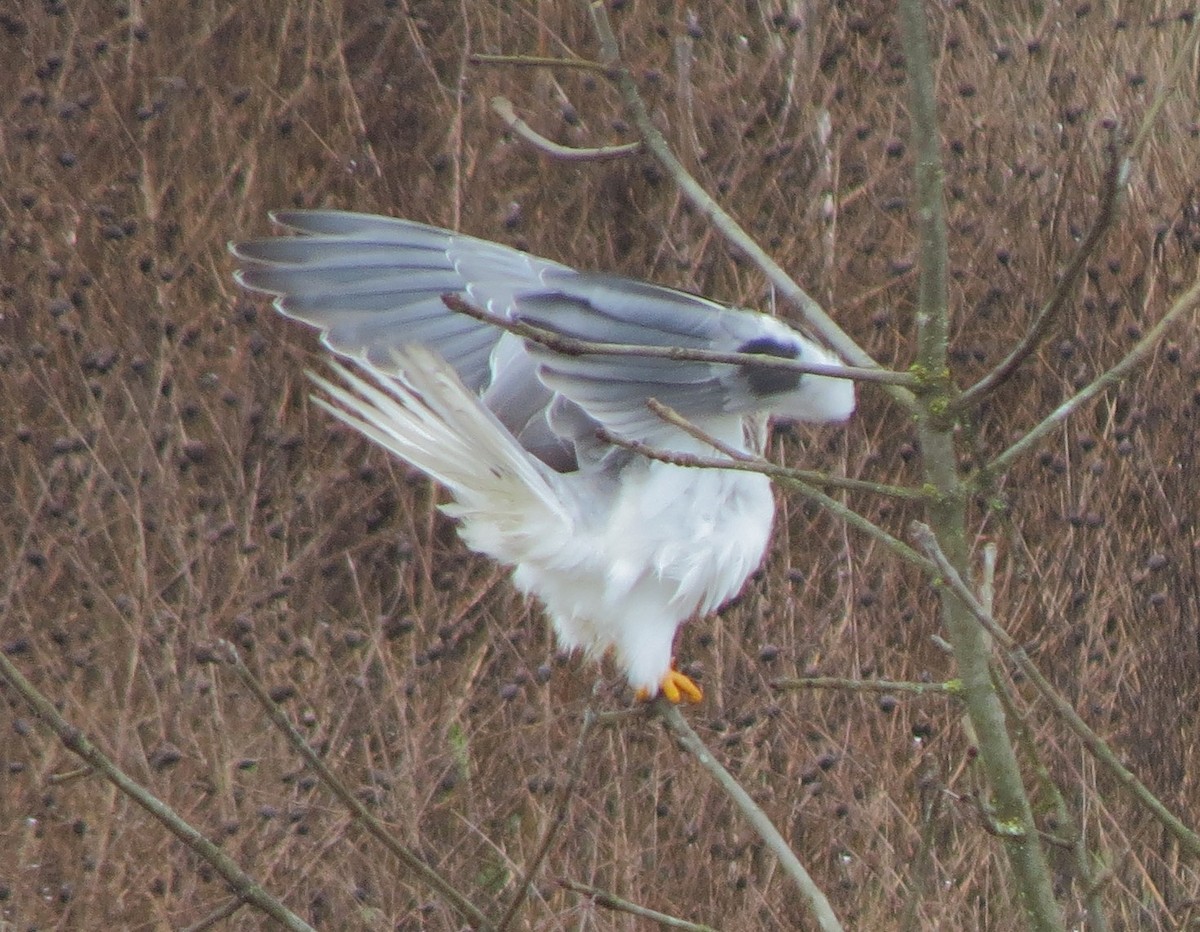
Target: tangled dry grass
165	482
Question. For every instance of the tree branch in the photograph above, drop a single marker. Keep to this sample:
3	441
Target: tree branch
678	726
656	144
950	689
1185	303
621	905
572	346
946	510
503	108
244	887
1099	749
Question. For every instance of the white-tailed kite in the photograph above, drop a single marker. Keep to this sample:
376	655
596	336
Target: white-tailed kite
621	549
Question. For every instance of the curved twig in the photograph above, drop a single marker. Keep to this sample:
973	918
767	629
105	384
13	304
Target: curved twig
503	108
1115	176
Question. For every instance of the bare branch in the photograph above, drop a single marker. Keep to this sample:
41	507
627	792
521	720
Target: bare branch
244	886
1099	749
1170	82
503	107
736	457
570	346
729	228
374	827
1184	304
946	509
620	905
678	726
950	688
758	464
536	61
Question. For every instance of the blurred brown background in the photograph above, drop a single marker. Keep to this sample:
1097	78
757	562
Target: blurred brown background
164	480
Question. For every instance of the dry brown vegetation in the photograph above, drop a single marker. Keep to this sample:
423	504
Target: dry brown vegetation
165	482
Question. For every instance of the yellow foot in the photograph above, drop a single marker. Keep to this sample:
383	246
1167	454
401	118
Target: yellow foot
676	688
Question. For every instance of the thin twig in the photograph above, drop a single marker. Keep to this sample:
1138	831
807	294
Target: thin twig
1186	302
556	823
618	904
217	916
932	790
374	827
1169	82
503	108
764	466
1115	177
243	885
818	903
836	508
1099	749
537	61
950	688
572	346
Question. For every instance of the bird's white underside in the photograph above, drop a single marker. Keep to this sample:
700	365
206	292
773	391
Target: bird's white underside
617	564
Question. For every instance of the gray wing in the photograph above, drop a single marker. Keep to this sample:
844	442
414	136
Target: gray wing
614	390
372	284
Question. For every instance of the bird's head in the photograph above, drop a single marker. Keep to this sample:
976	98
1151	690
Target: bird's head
795	396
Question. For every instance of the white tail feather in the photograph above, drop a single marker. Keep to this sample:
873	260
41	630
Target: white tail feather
428	418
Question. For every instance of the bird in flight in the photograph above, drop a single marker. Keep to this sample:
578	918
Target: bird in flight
620	548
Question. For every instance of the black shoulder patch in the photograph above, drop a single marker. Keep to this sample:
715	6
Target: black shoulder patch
764	381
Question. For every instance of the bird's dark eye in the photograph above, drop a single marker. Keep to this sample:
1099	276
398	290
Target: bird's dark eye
764	381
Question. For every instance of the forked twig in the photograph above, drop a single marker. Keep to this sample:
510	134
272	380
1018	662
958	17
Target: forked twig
1099	749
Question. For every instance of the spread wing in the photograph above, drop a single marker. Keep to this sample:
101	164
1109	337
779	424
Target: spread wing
373	285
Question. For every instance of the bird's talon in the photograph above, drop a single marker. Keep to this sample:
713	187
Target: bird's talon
675	687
